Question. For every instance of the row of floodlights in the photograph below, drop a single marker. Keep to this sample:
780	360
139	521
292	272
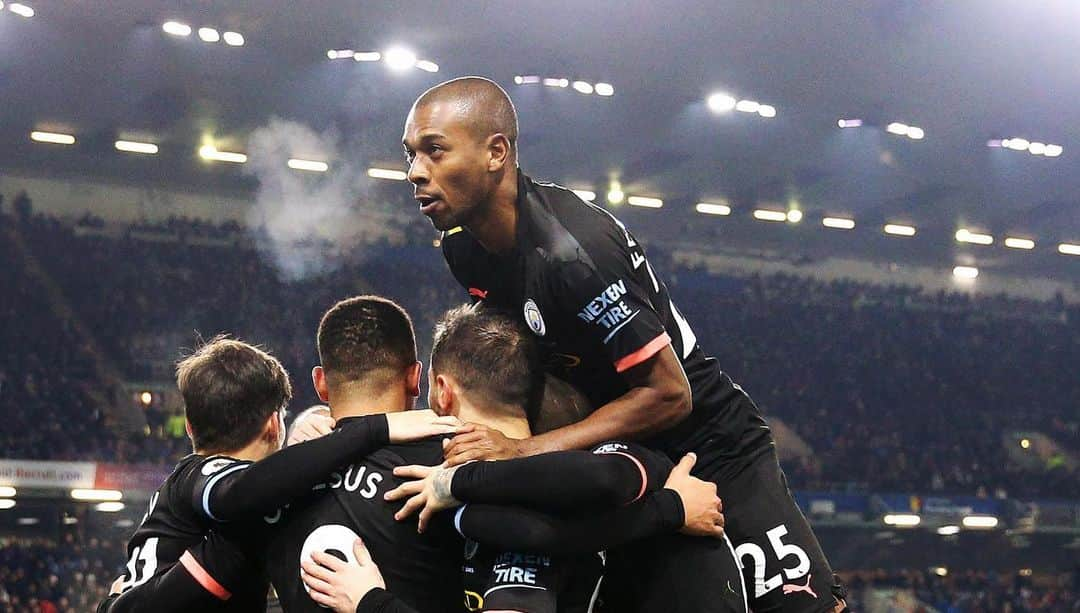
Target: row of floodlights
397	58
581	87
971	522
108	500
721	102
896	127
205	33
1023	144
18	8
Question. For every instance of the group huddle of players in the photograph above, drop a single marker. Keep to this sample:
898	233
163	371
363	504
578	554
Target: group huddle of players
510	488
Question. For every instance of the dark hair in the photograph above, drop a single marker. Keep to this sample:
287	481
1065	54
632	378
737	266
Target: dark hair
491	354
365	337
230	388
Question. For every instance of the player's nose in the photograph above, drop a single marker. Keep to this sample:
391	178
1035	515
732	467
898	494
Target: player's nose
418	173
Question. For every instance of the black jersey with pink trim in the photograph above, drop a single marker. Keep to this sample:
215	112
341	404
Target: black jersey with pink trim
585	288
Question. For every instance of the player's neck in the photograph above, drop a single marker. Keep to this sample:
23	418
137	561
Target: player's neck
256	450
495	228
508	420
365	401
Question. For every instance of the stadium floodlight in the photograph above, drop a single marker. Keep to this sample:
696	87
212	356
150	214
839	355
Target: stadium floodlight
767	215
1019	243
1069	249
6	503
963	235
366	56
131	146
146	398
1037	148
711	208
1	6
849	123
720	102
583	87
526	79
1025	443
586	195
965	272
767	111
96	495
388	174
209	35
6	491
604	89
233	39
941	571
615	193
553	82
54	138
427	66
995	143
399	58
308	165
645	202
27	521
176	28
747	106
980	521
838	223
109	507
21	9
794	216
897	128
902	520
915	133
340	54
899	229
1053	151
1016	144
948	530
209	152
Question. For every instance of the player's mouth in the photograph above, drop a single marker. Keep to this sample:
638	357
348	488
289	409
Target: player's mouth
427	203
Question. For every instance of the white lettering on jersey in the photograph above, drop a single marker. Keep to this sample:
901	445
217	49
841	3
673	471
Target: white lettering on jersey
689	339
637	259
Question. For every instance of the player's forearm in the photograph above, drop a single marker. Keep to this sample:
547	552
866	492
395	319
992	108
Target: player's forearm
285	475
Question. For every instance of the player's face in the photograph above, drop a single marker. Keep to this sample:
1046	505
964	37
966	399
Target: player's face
448	166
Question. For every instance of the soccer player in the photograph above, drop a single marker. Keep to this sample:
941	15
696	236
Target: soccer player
583	285
235	396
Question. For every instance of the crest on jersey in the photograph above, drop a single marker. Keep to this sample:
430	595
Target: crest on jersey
534	319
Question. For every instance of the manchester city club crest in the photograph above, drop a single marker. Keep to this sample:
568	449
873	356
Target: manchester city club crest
533	318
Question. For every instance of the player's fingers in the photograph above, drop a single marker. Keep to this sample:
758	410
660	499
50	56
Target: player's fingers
465	457
465	427
412	505
720	504
466	439
315	583
322	428
425	516
363	556
313	568
324	559
405	490
686	464
325	600
413	471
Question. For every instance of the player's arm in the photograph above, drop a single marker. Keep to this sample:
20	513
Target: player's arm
346	587
237	489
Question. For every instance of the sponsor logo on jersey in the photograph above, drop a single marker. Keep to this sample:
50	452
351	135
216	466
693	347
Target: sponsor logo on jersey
611	448
533	318
213	466
608	310
793	588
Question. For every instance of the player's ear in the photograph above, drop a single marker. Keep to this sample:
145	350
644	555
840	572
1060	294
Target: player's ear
499	152
412	379
444	395
318	379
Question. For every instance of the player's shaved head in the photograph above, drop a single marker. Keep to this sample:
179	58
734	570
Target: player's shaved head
480	104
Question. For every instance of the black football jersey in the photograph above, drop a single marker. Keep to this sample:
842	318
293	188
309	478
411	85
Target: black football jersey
584	287
536	583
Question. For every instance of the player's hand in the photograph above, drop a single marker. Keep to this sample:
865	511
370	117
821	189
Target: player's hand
479	442
341	585
429	494
310	424
414	425
702	507
117	586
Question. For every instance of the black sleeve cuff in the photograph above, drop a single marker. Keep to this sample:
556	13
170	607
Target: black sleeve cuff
670	508
374	428
377	600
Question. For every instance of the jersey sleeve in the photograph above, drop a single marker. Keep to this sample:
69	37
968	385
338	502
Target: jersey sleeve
379	600
523	582
607	289
613	474
224	489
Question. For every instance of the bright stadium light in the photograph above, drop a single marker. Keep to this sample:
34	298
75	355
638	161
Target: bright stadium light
720	103
963	235
109	507
915	133
902	520
897	128
767	215
399	58
948	530
427	66
586	195
308	165
710	208
849	123
146	398
209	35
176	28
965	272
21	9
940	571
1037	148
980	521
98	495
209	152
233	39
1069	249
604	89
644	202
6	504
131	146
553	82
583	87
767	110
1052	151
1019	243
794	216
747	106
526	79
54	138
388	174
899	229
366	56
615	193
6	491
1017	144
1025	443
28	521
838	223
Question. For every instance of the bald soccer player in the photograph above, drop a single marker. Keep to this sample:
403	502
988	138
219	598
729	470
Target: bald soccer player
583	285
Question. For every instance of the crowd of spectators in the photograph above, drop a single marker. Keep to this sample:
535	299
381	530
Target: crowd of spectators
912	591
893	388
45	576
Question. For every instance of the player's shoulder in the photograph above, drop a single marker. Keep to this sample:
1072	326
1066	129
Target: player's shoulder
428	451
569	230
